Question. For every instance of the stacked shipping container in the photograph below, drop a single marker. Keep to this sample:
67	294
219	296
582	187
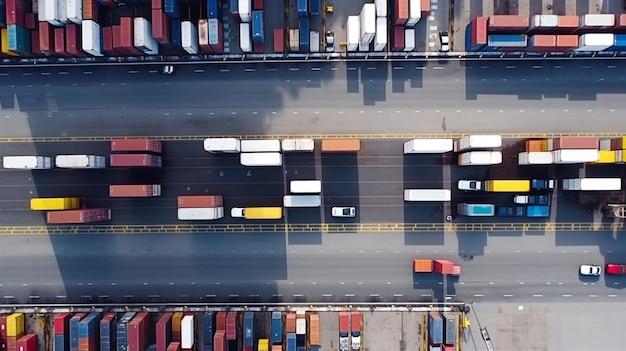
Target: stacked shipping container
60	326
202	207
108	329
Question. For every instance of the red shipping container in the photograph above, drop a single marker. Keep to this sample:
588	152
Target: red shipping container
219	341
86	344
116	32
173	346
160	27
59	42
90	10
508	23
279	40
11	342
425	7
257	5
3	325
479	31
46	38
149	145
61	323
107	42
542	42
290	324
138	332
566	42
576	143
73	40
216	25
27	343
162	332
220	321
401	15
135	160
134	190
200	201
620	23
203	35
355	322
448	348
29	21
231	326
568	24
443	266
344	320
258	48
34	39
78	216
397	39
157	5
15	12
126	36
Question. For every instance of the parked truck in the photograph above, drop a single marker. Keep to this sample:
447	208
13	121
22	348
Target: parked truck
135	160
268	145
437	266
305	186
222	145
146	145
26	162
531	199
257	212
524	211
302	201
78	216
476	210
474	142
303	145
542	184
341	145
344	330
428	146
593	184
199	214
54	203
495	185
480	158
260	159
151	190
80	161
355	326
427	195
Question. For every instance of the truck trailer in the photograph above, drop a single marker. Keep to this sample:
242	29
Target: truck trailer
26	162
268	145
531	211
428	146
427	195
199	214
593	184
341	145
219	145
147	145
344	330
305	186
476	210
80	161
151	190
505	185
480	158
303	145
54	203
257	212
135	160
199	201
302	201
474	142
78	216
260	159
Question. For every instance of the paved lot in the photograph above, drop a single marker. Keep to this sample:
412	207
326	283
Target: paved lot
393	330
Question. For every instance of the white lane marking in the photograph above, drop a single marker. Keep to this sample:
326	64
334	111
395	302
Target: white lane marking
153	71
420	67
198	70
370	68
224	70
558	66
374	295
351	68
588	110
400	295
6	74
294	69
388	283
508	295
548	283
398	67
113	284
566	295
437	67
478	295
87	72
27	74
537	295
521	283
45	73
510	67
297	295
145	283
316	69
349	295
250	69
593	295
233	295
586	66
133	71
612	295
611	66
334	68
314	283
327	295
504	79
271	70
484	67
171	283
537	67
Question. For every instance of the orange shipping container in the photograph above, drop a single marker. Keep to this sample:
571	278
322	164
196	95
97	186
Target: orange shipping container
566	23
314	329
277	348
200	201
134	190
176	318
533	145
220	321
444	266
425	6
567	42
422	266
341	145
290	325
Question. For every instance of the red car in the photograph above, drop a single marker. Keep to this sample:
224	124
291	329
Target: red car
613	268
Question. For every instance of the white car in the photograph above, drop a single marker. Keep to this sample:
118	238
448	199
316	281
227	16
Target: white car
343	211
472	185
444	40
590	269
168	69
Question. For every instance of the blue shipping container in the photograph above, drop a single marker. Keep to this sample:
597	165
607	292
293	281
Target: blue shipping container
60	343
303	10
468	40
207	347
450	328
207	328
277	327
620	43
3	13
87	326
300	339
507	40
435	328
74	322
301	348
171	8
176	33
108	335
234	8
304	34
19	40
248	329
257	27
212	8
122	331
291	341
315	6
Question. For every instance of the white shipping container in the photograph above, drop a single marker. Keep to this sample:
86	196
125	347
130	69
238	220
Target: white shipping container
244	10
245	40
595	41
415	12
298	145
353	31
364	47
41	15
214	145
368	23
199	214
380	41
189	37
593	184
535	158
302	201
478	158
294	40
75	11
214	31
428	146
142	34
49	12
565	156
478	142
314	41
252	159
187	332
268	145
26	162
544	21
90	37
605	144
300	326
409	39
305	186
427	195
80	161
597	20
61	11
381	8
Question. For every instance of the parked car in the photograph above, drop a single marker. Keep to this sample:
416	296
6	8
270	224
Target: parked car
330	41
590	269
343	211
614	268
444	41
472	185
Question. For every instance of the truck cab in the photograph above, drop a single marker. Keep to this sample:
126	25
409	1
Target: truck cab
542	184
238	212
531	199
511	211
470	185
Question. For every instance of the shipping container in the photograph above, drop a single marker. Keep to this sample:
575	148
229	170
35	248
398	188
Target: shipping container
4	41
305	186
176	34
415	12
46	38
344	323
449	328
216	35
476	210
74	326
263	345
535	158
435	328
568	24
171	8
543	23
291	342
138	332
443	266
575	156
355	323
213	9
27	343
596	21
380	41
294	40
401	13
234	9
164	331
14	325
314	329
566	42
314	41
422	266
203	35
257	27
245	41
34	37
425	7
572	143
409	39
302	201
428	146
142	36
534	145
279	40
277	327
398	38
26	162
245	7
367	24
88	332
476	34
108	332
126	36
303	8
73	44
220	321
593	184
198	201
219	341
60	323
507	40
149	145
255	159
508	23
91	41
341	145
187	332
53	204
190	39
507	185
176	320
231	325
353	31
29	21
427	195
61	342
478	142
595	41
304	145
19	39
248	330
59	42
215	145
381	8
198	214
290	322
107	42
135	190
207	328
300	323
160	27
618	143
90	10
175	346
13	12
62	11
619	43
304	35
75	11
78	216
135	160
542	43
315	7
480	158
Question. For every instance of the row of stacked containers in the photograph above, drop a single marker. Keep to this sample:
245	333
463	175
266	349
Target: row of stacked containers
169	331
547	33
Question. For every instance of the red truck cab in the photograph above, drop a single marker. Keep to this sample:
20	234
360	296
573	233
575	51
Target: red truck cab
617	269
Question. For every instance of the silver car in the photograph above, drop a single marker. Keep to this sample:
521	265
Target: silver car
590	269
343	211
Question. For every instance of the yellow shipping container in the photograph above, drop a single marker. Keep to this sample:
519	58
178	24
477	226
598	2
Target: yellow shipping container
54	203
544	145
507	186
176	318
263	345
606	156
263	213
15	325
4	38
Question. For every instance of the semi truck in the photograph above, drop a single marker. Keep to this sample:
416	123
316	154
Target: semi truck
302	201
531	199
569	156
480	158
151	190
78	216
54	203
542	184
355	327
257	212
504	185
219	145
535	158
80	161
305	186
200	214
593	184
344	329
531	211
303	145
427	195
135	160
26	162
572	143
437	266
259	159
473	142
341	145
476	210
147	145
428	146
